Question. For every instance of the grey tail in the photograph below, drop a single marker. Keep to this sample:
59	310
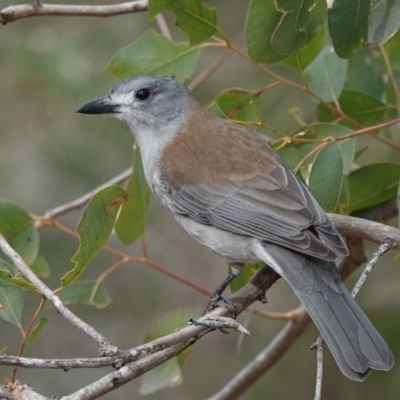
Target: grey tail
354	342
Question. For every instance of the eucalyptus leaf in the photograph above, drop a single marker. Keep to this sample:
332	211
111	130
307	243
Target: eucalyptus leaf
276	29
363	108
91	293
154	54
18	228
305	56
245	276
36	331
348	25
384	21
239	104
193	17
95	228
216	109
326	75
367	73
131	222
12	302
41	267
294	152
170	373
7	276
326	177
372	185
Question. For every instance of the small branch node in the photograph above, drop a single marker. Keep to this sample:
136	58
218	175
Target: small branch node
221	323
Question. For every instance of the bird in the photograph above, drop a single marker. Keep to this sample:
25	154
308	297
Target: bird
233	193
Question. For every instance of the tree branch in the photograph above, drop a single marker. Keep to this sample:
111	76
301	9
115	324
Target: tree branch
149	355
18	391
13	13
383	248
48	293
319	346
155	353
55	363
365	229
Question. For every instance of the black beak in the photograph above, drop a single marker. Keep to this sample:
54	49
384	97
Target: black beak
99	106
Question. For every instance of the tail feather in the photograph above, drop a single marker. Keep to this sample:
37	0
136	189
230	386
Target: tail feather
354	342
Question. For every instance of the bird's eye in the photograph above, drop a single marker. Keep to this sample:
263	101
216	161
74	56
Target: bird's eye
142	94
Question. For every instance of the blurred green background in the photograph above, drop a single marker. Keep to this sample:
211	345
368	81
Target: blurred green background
50	155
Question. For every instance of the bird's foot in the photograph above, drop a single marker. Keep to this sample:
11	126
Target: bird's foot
216	300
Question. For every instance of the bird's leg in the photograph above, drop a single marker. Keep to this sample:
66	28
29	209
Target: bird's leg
216	299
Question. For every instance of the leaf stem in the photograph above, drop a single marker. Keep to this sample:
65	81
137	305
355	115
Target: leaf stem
26	334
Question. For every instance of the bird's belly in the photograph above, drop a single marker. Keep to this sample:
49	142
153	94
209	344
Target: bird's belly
229	245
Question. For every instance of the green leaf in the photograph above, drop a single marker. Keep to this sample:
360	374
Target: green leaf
7	276
11	302
245	276
36	331
398	204
372	185
86	292
18	228
154	54
392	99
348	25
193	17
239	104
170	373
294	152
131	222
364	109
392	48
41	267
216	109
367	73
326	75
276	29
347	147
344	200
326	177
305	56
95	228
384	21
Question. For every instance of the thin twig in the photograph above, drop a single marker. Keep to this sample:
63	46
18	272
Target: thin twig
162	26
48	293
55	363
382	249
28	331
213	66
392	78
320	368
13	13
369	129
81	201
368	230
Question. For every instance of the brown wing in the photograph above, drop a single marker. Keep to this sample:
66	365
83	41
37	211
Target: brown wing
238	184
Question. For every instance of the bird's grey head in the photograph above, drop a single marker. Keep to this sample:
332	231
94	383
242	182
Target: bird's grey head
149	105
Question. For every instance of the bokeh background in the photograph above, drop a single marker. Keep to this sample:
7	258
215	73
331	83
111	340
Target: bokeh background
49	155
